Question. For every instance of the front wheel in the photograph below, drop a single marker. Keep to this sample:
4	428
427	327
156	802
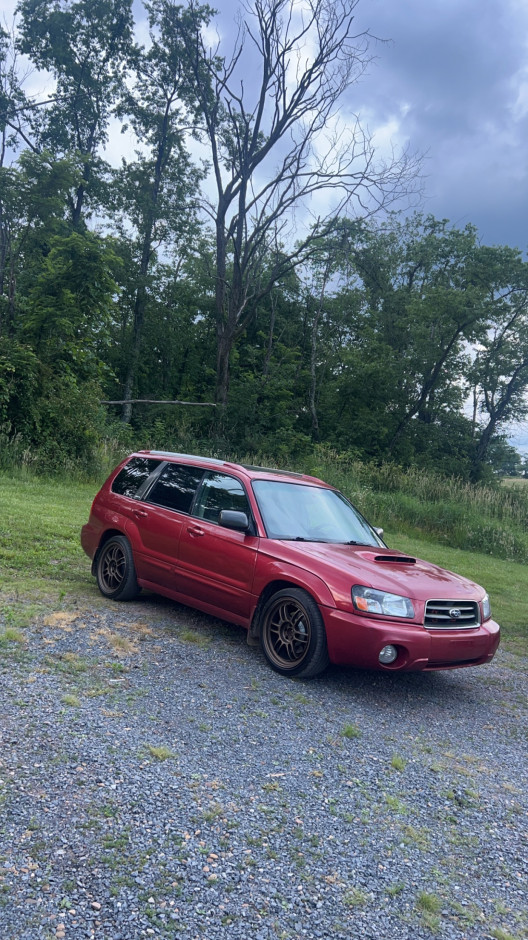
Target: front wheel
293	635
115	571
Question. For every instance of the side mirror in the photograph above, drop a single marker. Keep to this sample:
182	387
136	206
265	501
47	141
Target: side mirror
378	531
232	519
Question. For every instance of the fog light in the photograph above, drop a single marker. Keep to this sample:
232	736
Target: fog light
388	654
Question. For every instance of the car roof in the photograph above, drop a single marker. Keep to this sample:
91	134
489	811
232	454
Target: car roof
249	471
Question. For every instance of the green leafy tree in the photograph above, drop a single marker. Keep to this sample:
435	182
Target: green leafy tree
156	193
33	193
499	373
86	45
67	314
426	304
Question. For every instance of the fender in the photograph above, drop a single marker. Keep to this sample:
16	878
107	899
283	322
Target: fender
268	571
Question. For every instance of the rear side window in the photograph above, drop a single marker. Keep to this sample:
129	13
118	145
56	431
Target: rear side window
175	487
133	475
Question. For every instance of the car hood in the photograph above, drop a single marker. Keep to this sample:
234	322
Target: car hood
380	568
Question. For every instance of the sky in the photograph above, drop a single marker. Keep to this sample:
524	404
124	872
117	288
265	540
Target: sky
449	80
453	81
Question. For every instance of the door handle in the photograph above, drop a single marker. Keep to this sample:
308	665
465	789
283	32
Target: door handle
195	530
140	515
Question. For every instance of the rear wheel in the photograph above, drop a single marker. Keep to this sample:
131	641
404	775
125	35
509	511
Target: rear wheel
115	571
293	635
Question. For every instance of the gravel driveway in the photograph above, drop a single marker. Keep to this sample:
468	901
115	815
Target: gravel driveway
157	779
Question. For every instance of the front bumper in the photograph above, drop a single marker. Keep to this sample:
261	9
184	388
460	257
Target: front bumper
356	641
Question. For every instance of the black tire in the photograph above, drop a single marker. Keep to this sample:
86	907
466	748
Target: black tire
115	571
293	635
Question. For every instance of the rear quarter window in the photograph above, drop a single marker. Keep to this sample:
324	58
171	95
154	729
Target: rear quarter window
133	475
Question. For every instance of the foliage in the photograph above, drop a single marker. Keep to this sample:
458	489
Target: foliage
401	342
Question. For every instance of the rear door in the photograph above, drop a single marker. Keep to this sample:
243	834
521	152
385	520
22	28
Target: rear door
215	564
158	519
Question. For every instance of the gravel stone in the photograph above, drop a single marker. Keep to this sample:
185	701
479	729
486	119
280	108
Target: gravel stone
157	779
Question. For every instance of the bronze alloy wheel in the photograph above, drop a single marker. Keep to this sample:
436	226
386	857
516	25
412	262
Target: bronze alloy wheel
293	634
116	574
113	567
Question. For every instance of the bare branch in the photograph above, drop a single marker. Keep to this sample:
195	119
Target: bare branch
152	401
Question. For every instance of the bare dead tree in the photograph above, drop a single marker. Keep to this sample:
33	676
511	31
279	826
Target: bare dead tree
277	142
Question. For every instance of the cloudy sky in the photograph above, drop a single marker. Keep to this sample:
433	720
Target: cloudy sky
453	80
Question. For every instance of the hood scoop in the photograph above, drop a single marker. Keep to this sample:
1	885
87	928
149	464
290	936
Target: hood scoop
395	559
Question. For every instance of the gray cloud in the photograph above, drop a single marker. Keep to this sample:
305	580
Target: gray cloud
457	67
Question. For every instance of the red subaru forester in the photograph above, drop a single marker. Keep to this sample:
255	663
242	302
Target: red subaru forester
287	557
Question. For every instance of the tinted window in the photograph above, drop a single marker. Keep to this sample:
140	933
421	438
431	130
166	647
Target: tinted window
133	475
218	492
175	487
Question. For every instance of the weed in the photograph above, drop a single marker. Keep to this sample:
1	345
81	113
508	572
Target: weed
72	700
432	922
354	897
420	838
428	903
11	635
351	731
121	645
395	804
161	752
198	639
215	810
397	762
395	889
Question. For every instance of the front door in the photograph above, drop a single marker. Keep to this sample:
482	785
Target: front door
216	564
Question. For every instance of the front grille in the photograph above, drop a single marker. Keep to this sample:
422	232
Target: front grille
451	615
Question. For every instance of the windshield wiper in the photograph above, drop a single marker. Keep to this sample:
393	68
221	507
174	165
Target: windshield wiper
297	538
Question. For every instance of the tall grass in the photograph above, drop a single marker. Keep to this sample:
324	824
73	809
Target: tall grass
488	519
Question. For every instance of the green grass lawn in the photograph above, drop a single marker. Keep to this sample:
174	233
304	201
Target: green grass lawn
42	565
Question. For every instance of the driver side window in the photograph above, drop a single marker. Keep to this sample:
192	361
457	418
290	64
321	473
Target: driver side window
219	491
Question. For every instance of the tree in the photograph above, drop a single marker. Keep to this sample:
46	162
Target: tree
156	192
499	373
86	46
33	192
426	303
275	143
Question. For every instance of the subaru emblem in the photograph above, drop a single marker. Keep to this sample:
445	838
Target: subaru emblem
455	613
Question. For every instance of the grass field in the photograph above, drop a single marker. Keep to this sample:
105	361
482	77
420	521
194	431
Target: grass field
42	565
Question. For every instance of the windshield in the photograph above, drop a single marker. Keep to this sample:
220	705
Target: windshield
310	513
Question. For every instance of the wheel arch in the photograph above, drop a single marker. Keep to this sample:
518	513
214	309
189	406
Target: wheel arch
107	534
278	584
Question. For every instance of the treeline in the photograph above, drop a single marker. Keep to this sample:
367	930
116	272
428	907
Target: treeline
181	278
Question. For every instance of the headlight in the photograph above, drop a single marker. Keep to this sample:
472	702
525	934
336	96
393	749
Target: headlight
486	607
370	601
